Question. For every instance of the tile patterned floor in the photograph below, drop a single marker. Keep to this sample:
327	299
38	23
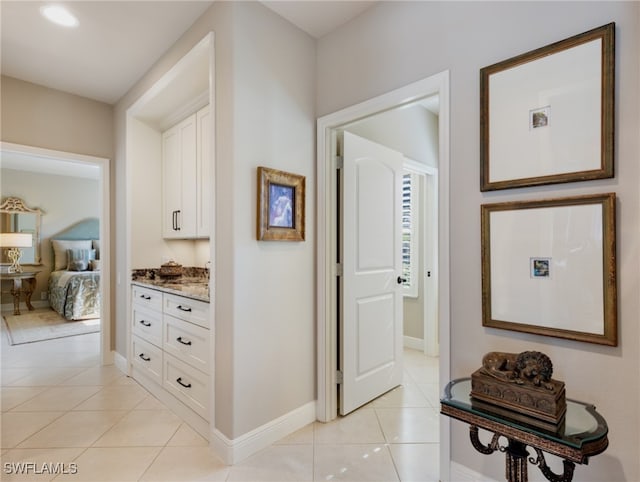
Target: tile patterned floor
59	406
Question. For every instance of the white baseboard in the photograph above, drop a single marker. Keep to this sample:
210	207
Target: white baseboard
120	362
462	473
414	343
233	451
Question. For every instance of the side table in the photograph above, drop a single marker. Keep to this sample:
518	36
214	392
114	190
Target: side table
583	434
23	283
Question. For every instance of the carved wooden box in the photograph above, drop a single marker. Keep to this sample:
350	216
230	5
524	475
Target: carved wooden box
539	406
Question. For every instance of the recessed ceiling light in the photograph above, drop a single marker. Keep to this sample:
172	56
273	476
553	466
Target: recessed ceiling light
60	15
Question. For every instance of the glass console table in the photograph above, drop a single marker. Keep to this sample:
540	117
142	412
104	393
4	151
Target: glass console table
582	435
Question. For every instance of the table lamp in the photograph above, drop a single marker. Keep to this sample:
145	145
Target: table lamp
15	241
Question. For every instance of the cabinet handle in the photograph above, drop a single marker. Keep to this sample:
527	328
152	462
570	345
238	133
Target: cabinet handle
176	225
180	340
145	297
185	385
145	358
182	308
176	220
145	323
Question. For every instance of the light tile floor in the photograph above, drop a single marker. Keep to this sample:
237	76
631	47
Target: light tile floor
59	406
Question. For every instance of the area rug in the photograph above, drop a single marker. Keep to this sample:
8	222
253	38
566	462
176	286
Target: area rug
45	324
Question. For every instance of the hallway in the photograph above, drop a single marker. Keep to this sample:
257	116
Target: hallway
59	406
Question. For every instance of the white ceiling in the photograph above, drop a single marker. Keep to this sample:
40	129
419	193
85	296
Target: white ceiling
116	42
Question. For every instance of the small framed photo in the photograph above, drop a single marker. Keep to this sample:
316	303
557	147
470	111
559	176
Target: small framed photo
280	205
540	267
539	117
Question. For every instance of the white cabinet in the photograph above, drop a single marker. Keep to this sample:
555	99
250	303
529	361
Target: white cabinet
170	350
186	177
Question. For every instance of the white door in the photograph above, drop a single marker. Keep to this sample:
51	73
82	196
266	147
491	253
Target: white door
371	289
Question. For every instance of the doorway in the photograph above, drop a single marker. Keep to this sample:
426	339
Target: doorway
71	161
328	293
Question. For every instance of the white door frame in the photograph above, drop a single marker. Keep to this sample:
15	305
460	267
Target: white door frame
327	240
106	353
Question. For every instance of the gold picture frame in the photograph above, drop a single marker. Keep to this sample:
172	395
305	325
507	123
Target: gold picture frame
281	206
549	267
547	116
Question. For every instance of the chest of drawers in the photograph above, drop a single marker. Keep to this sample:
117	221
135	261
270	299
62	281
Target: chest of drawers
171	340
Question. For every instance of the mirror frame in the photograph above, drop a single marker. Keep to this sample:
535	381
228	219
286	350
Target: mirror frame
15	205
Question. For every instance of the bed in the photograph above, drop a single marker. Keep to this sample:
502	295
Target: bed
74	283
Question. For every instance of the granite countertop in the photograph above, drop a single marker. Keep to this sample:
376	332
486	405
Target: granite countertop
194	282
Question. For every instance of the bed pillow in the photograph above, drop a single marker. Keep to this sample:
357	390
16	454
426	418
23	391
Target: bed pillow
78	259
60	247
94	265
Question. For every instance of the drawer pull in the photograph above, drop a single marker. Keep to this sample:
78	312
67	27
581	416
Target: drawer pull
145	297
180	340
145	358
182	308
145	323
185	385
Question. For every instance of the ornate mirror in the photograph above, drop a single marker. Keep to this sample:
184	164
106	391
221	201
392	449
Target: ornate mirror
16	217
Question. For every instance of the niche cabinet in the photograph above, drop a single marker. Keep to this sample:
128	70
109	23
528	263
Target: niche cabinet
186	177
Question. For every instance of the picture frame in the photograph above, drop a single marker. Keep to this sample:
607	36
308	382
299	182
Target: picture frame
547	116
281	206
549	267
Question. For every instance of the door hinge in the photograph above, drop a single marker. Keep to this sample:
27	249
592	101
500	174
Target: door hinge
338	269
338	162
339	377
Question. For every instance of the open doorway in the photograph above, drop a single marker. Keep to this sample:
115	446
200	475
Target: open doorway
328	246
28	159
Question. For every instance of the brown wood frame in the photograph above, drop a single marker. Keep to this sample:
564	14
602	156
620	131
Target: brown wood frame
610	329
267	232
606	170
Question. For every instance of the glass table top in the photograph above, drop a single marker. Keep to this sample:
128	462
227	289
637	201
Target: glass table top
582	422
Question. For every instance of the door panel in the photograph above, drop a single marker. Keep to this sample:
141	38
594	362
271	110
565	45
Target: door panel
371	301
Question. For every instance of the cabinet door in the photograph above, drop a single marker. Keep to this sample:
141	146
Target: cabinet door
178	178
171	190
203	172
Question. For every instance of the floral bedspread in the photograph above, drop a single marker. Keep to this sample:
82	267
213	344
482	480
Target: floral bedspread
75	296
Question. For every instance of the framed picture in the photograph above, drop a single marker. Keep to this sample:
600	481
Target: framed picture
549	267
280	205
547	116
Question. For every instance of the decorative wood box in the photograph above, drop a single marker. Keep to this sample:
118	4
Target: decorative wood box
517	393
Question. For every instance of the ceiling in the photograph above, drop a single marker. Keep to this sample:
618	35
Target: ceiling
115	43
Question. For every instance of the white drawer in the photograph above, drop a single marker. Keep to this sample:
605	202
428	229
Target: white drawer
187	309
186	341
187	384
152	299
147	324
148	359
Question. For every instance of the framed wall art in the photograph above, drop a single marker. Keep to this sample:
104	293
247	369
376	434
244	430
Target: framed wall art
549	267
547	116
280	205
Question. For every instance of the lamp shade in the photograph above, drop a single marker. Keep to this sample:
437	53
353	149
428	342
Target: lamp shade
16	240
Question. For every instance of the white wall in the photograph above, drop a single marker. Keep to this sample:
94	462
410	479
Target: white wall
264	291
274	122
411	130
64	200
396	43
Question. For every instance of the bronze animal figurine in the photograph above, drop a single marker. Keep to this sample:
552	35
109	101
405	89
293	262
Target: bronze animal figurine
528	367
